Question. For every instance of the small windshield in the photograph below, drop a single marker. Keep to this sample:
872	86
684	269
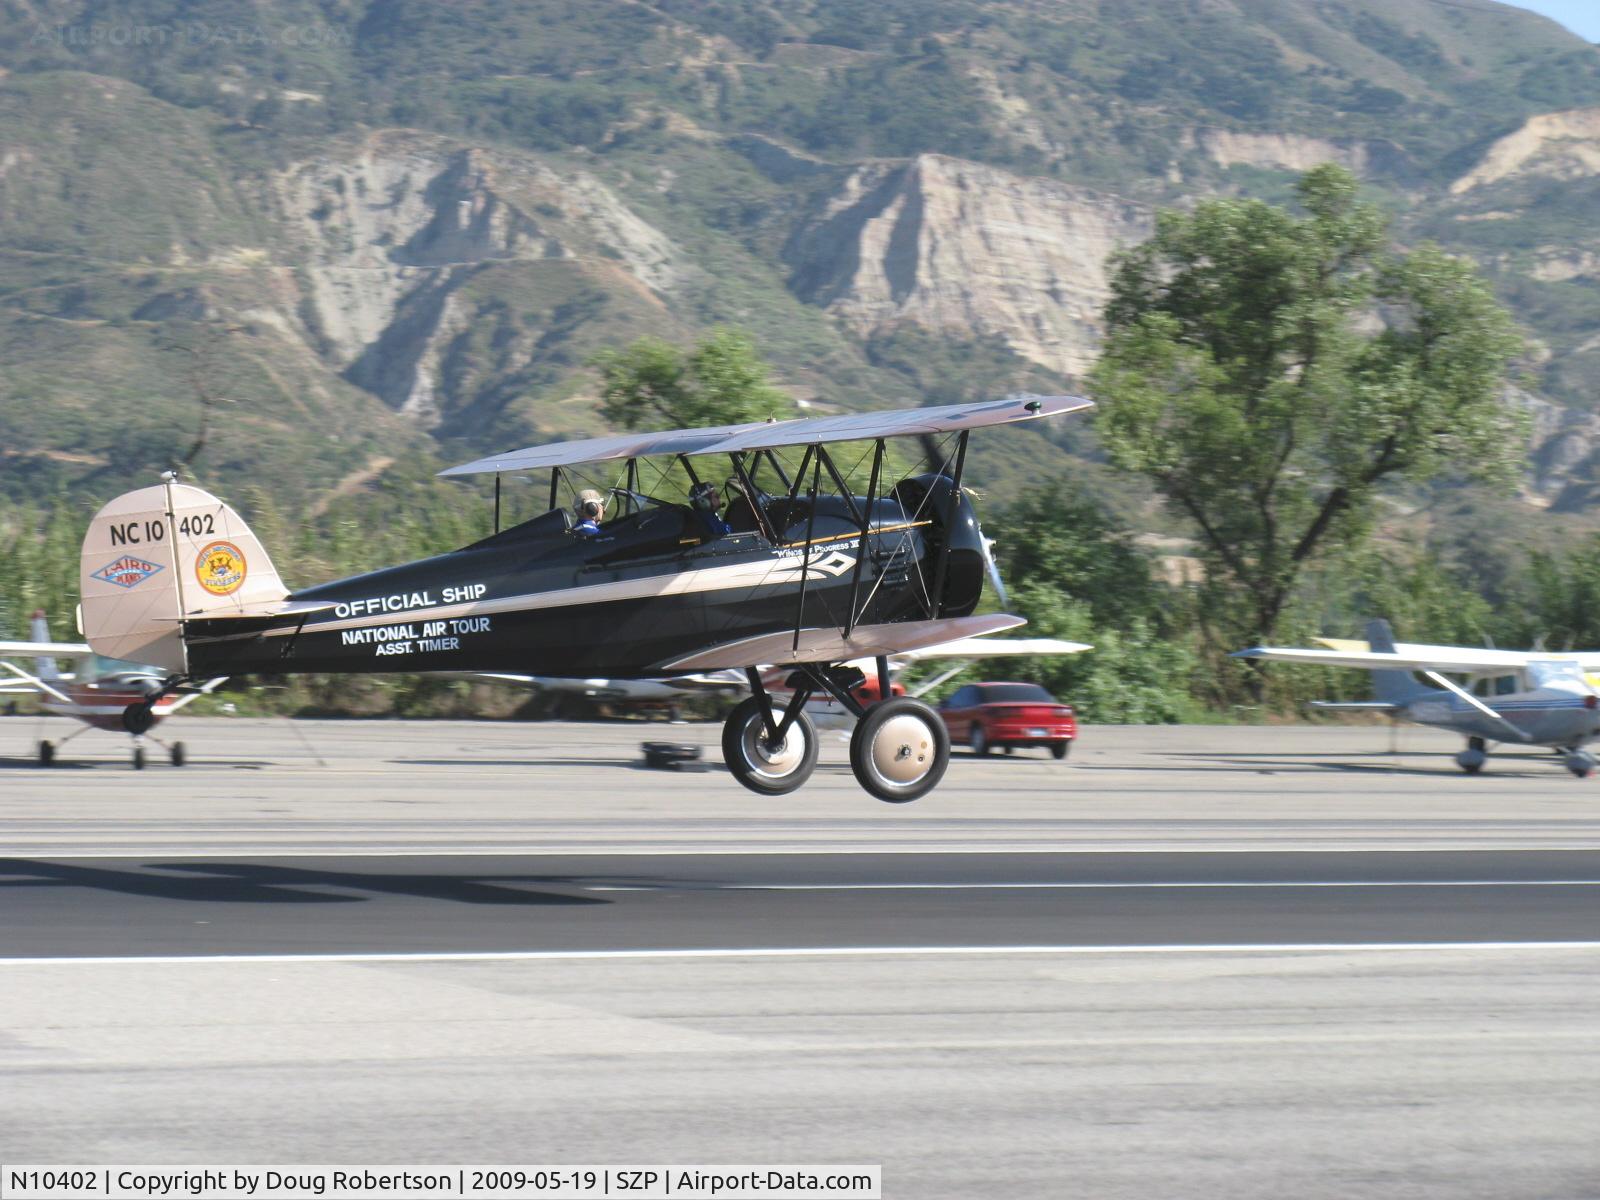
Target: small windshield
1015	693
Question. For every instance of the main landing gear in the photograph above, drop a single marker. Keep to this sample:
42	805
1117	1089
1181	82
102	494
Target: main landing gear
1471	759
1576	759
898	751
1580	762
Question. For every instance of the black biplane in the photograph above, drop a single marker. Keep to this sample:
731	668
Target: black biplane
797	571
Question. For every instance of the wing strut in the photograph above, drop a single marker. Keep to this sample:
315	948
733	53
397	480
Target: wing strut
861	550
805	555
1458	690
35	681
949	526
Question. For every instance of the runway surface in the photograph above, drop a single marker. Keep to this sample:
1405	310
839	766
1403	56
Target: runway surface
136	908
1187	962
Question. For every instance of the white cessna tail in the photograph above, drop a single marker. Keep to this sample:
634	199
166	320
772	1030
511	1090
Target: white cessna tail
158	556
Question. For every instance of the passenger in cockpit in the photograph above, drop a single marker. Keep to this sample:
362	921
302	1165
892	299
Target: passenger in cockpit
590	511
707	504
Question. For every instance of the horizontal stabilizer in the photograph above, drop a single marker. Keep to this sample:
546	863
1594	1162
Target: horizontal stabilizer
259	610
832	646
1356	705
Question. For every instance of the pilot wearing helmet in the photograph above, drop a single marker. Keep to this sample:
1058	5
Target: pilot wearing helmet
707	503
590	510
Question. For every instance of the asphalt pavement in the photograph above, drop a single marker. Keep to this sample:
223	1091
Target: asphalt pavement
1224	962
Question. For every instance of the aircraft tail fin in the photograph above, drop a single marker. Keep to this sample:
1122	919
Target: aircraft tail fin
161	555
39	631
1390	687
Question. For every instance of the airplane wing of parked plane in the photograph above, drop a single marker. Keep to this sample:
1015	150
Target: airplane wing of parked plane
45	649
1413	657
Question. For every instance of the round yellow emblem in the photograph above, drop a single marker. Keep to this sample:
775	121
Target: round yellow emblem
220	567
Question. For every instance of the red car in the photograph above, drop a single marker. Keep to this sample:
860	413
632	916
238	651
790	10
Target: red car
984	715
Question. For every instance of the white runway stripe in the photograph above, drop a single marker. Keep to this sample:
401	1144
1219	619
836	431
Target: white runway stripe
761	851
1110	885
800	952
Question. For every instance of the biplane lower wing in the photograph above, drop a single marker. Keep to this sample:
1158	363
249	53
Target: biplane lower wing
833	645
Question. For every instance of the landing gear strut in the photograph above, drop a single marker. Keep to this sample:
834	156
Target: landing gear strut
898	751
766	756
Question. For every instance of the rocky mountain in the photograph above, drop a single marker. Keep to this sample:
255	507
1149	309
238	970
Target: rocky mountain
395	232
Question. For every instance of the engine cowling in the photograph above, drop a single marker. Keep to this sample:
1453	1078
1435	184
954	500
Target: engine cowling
957	526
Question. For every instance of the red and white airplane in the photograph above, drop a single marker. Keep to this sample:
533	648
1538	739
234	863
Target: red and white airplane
94	690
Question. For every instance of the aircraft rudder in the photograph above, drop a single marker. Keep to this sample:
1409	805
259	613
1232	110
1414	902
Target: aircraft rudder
39	631
1391	687
156	555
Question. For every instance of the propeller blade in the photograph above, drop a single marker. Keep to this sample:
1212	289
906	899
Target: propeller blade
993	569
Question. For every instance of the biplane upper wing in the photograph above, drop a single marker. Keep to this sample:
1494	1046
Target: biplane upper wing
908	422
814	645
603	449
771	435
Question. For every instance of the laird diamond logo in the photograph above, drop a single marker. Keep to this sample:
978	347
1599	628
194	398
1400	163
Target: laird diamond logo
127	571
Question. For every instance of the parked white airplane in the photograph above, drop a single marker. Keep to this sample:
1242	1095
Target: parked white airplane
96	690
1524	697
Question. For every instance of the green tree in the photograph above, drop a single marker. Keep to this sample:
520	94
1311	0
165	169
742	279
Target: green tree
1059	537
1076	575
1268	370
721	381
1562	604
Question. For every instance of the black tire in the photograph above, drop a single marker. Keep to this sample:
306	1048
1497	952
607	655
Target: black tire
138	718
977	740
1473	769
744	750
138	758
1059	750
892	758
178	754
47	753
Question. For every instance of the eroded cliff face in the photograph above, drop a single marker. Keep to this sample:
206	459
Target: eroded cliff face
1558	145
395	238
960	247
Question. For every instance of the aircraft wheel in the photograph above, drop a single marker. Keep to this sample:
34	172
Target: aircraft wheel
178	754
1581	764
762	768
1471	760
47	753
138	758
1059	750
978	741
900	749
138	718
